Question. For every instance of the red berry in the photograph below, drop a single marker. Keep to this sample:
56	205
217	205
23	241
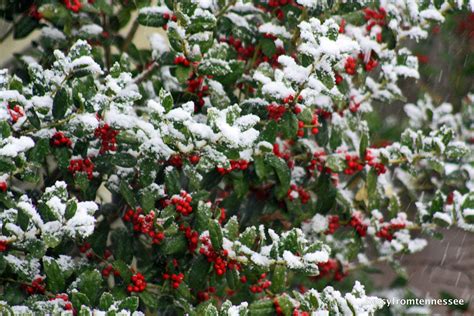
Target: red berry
3	186
194	159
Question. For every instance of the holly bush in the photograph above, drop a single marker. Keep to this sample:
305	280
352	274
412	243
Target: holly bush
232	168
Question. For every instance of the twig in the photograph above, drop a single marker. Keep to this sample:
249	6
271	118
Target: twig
107	49
6	35
225	8
138	79
131	34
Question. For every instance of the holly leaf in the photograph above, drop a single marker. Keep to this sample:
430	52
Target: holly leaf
61	103
151	18
289	124
199	272
78	299
283	174
166	100
123	269
130	304
215	232
54	276
128	194
90	284
149	299
326	194
364	143
172	182
268	47
24	27
122	246
278	279
106	300
182	73
33	118
335	163
174	245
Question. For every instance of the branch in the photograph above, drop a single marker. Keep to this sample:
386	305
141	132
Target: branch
225	8
131	34
141	77
6	35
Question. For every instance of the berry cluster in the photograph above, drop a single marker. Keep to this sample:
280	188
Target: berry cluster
37	286
290	99
298	192
82	165
323	113
34	13
196	86
15	112
350	66
192	236
331	268
388	229
318	162
107	254
168	17
279	3
182	202
378	166
276	7
248	51
423	59
466	26
300	313
181	60
277	306
222	215
273	60
219	259
144	224
3	245
204	295
139	283
73	5
107	135
243	52
358	225
108	270
315	124
3	186
278	152
241	164
374	17
84	247
175	279
353	105
300	132
60	140
338	79
314	129
333	224
262	284
65	300
371	64
353	164
275	111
